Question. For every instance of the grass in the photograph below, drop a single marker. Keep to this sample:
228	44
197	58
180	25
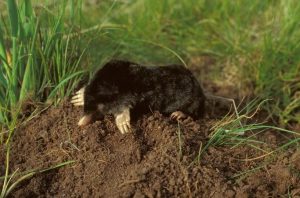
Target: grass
228	131
39	61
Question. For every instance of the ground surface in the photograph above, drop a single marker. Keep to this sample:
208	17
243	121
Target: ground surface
146	163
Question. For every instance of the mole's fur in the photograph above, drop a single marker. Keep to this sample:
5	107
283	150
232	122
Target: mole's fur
120	84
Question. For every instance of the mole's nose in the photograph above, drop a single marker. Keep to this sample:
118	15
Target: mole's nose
85	120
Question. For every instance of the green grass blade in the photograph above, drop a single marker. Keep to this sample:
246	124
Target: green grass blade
29	79
63	82
13	16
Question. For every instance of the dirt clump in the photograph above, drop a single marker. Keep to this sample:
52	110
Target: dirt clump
159	159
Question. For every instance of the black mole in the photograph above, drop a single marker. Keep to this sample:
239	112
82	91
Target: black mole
122	88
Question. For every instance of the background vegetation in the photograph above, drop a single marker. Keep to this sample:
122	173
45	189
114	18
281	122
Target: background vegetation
256	40
39	61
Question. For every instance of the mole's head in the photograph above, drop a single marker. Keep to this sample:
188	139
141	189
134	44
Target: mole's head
90	103
98	94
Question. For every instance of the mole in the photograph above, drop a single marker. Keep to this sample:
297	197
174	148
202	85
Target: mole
124	88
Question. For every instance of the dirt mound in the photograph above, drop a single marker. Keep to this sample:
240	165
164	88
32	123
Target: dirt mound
159	159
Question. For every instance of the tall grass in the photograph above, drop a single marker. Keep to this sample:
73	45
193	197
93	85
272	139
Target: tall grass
259	38
277	72
38	59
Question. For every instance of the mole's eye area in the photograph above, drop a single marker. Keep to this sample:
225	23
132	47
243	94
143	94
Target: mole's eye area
107	89
100	107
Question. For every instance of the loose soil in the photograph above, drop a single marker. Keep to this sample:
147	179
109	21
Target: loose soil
158	159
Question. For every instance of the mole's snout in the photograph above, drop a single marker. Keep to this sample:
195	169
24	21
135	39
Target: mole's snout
85	120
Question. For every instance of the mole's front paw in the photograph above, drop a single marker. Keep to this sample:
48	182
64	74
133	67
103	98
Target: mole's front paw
178	115
78	98
123	121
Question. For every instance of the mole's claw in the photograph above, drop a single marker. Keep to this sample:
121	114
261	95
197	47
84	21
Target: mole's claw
126	127
81	91
123	125
123	121
172	116
78	104
178	115
78	98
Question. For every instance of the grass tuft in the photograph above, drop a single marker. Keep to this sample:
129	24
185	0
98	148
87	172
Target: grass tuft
231	129
38	59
